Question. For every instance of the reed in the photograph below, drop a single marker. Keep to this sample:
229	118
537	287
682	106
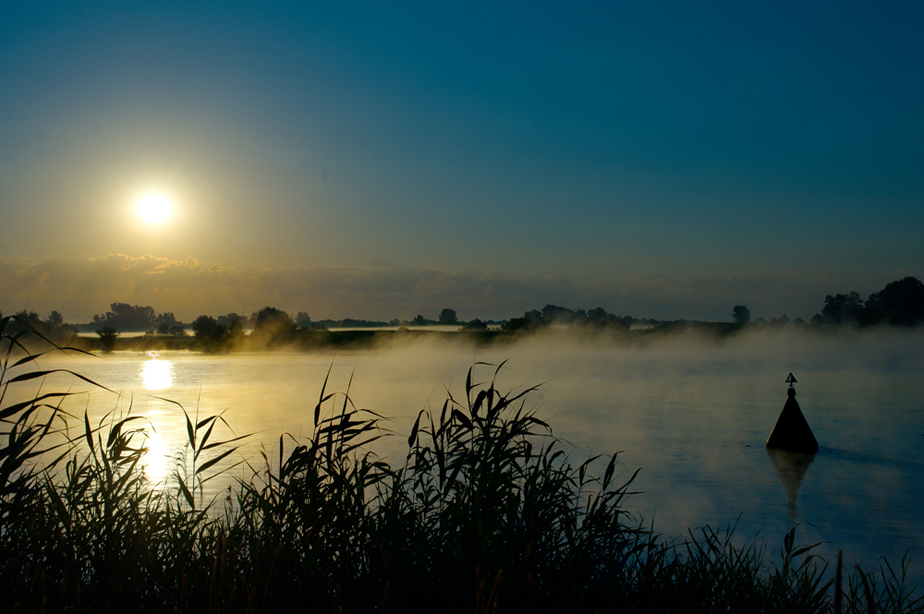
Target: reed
489	512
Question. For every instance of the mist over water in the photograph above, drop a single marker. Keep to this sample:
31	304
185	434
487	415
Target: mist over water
692	413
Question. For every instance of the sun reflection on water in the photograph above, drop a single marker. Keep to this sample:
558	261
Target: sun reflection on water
156	374
155	460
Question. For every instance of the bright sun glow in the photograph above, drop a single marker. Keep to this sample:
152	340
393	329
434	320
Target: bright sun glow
154	208
155	460
156	374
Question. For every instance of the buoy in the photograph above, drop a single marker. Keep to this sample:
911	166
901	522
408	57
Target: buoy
792	431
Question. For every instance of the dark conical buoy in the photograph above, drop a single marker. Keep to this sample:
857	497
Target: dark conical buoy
792	431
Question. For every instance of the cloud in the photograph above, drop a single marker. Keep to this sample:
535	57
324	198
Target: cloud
82	286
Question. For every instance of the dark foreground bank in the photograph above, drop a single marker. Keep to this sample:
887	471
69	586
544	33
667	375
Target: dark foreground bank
489	513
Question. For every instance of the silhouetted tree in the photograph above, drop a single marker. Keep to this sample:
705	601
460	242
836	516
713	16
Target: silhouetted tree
54	320
56	329
554	312
448	316
167	324
272	324
531	320
302	320
208	330
841	308
234	323
122	316
30	318
420	321
514	324
741	314
593	317
475	324
24	324
53	327
107	336
900	303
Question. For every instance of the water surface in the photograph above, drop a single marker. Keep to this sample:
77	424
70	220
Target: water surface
693	415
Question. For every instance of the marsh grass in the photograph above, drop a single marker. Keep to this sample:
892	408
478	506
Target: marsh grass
488	513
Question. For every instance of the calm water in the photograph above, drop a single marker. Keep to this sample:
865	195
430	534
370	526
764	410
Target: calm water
691	414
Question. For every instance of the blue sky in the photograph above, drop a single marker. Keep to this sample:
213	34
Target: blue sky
661	160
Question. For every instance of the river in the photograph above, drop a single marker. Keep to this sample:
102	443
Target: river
691	414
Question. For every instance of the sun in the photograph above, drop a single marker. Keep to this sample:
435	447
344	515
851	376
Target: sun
154	208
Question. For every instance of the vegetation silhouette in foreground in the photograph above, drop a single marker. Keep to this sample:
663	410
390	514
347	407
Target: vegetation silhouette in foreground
488	513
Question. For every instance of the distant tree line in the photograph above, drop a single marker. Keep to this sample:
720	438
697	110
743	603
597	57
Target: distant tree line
123	317
447	317
900	303
214	331
52	328
562	316
349	323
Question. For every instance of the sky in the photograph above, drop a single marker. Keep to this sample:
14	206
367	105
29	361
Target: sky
380	160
